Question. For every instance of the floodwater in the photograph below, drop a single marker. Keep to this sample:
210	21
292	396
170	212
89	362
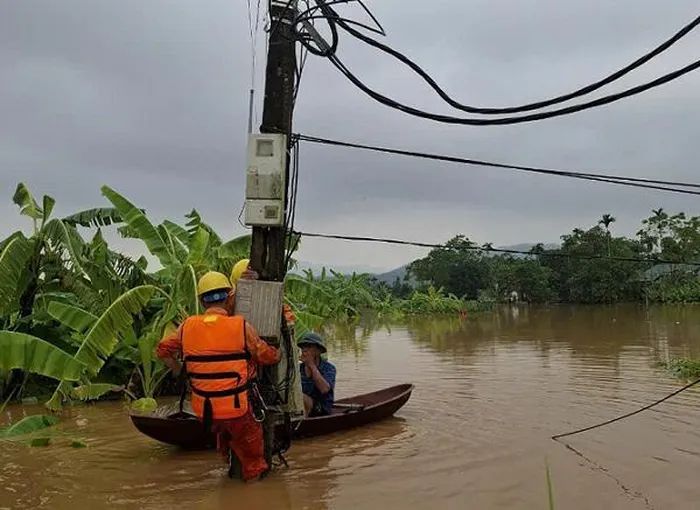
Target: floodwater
490	391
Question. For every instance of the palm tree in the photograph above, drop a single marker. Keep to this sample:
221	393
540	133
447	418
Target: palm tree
606	221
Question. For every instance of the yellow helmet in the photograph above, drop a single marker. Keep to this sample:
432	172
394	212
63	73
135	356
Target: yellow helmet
213	281
238	270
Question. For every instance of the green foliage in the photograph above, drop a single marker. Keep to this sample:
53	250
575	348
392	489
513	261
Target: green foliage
598	279
432	302
459	268
98	217
93	391
550	486
25	200
138	222
675	287
144	405
13	261
32	354
39	442
317	299
683	368
29	425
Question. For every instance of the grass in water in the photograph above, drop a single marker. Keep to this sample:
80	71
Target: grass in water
550	490
683	368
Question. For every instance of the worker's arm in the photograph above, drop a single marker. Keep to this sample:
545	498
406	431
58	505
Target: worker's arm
260	351
169	349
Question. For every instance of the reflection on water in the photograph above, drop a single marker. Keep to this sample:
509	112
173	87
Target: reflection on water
490	390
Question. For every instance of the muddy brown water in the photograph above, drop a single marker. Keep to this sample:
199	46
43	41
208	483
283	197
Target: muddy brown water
490	391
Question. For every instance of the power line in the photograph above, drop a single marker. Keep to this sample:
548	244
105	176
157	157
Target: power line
628	415
501	121
661	185
490	249
526	107
329	51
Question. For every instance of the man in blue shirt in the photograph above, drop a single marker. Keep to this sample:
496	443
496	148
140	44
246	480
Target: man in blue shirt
317	376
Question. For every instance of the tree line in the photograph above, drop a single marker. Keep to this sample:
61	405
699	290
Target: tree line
585	268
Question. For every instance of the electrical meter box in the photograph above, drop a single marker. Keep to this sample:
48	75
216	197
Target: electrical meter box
260	303
265	180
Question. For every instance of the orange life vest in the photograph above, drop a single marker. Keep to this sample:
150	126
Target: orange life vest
216	360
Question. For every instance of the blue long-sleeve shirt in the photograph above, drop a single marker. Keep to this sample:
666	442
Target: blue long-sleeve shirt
327	370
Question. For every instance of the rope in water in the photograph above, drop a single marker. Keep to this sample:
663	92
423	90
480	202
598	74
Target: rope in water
628	415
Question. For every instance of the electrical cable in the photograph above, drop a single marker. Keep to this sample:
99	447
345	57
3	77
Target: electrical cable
489	249
628	415
501	121
662	185
309	15
526	107
329	51
292	240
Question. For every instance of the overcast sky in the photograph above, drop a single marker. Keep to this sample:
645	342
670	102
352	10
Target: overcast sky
150	97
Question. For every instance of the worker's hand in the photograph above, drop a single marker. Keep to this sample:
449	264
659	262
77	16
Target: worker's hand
174	365
249	274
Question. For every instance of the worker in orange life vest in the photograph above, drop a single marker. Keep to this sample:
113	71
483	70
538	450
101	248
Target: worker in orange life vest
220	353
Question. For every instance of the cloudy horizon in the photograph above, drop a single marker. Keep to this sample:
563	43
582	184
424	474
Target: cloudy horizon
151	99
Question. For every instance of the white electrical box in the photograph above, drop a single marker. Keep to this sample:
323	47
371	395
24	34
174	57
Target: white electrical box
261	305
265	180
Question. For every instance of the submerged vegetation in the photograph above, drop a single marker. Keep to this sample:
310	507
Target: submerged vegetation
80	321
683	368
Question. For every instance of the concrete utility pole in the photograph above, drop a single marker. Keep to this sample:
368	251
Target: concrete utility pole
267	255
268	243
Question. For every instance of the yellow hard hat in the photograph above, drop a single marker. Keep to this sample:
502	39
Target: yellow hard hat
238	270
213	281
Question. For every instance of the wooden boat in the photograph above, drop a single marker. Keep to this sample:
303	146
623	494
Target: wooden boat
184	430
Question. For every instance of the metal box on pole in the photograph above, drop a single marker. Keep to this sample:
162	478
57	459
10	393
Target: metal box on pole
260	303
265	180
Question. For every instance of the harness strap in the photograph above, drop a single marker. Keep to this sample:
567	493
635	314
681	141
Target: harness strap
213	358
216	375
223	393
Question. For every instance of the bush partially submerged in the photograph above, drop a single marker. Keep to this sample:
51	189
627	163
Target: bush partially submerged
683	368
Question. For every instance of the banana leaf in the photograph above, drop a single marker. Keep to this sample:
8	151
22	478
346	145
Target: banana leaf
98	217
72	317
177	232
29	425
139	223
67	237
13	262
102	338
198	246
93	391
28	206
32	354
48	206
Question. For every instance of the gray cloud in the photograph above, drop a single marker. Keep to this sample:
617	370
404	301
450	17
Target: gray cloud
151	98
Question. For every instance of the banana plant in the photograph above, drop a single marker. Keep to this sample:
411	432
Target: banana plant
54	250
100	338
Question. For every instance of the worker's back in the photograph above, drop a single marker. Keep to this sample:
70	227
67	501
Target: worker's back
216	360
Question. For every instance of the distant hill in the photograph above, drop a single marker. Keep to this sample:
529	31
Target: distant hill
390	277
